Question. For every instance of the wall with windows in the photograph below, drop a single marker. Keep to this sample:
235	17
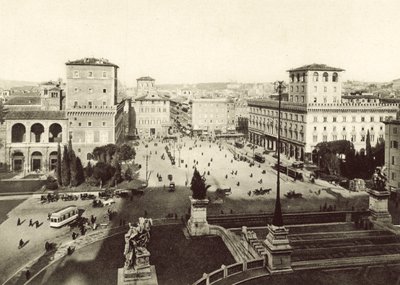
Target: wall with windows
392	154
152	117
90	86
213	115
315	86
352	124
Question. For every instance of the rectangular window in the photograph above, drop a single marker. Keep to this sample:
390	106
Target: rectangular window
334	119
353	119
105	103
334	89
372	119
393	175
104	74
89	124
75	104
325	138
90	104
334	137
325	119
90	74
325	89
90	90
362	119
392	160
76	90
76	74
394	130
104	90
344	118
104	124
315	119
315	88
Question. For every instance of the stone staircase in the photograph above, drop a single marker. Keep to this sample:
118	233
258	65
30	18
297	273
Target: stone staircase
240	249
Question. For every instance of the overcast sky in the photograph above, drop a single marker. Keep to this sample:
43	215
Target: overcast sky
200	40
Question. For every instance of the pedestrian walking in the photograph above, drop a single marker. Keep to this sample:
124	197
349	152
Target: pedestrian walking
18	222
21	242
30	223
28	275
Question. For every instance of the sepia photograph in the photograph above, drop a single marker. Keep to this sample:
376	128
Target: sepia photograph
199	142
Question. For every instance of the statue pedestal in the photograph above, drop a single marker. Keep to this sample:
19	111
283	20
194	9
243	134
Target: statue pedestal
142	274
146	276
378	205
197	224
278	250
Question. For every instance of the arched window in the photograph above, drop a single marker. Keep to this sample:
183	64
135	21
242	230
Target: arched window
18	133
303	77
325	76
315	76
298	77
292	77
36	132
55	133
335	77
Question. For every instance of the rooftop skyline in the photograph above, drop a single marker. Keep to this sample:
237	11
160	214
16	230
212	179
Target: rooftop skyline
200	41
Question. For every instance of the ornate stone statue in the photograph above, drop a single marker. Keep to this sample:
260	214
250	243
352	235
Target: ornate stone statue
379	180
136	240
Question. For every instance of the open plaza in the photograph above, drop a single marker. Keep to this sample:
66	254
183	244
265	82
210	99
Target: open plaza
215	159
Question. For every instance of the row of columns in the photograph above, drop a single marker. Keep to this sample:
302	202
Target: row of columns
289	149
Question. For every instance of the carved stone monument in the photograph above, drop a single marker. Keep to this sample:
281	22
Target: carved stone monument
378	205
378	198
137	269
279	251
197	224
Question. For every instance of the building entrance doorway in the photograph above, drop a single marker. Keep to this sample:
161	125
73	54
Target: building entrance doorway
18	161
36	161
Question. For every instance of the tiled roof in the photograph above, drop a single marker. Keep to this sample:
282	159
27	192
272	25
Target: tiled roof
91	61
145	78
316	67
24	100
35	115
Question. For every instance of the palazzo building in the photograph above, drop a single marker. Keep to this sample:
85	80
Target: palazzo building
315	112
94	115
392	154
213	116
152	110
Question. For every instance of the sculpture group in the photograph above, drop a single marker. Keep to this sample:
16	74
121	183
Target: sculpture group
136	240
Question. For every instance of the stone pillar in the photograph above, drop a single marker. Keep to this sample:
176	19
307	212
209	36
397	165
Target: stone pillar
197	224
378	205
278	250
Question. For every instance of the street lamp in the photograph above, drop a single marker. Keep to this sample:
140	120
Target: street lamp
277	219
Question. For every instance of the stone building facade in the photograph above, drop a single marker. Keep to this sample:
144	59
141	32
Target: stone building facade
315	112
212	116
392	154
32	138
94	115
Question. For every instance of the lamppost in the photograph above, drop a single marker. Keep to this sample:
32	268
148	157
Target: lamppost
277	219
147	156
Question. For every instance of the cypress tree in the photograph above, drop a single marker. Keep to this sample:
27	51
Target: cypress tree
72	164
89	170
58	169
80	176
65	168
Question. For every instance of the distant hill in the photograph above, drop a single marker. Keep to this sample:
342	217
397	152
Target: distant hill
7	84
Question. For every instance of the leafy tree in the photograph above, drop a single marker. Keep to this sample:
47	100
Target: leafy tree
58	168
65	168
126	152
128	174
103	171
198	186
